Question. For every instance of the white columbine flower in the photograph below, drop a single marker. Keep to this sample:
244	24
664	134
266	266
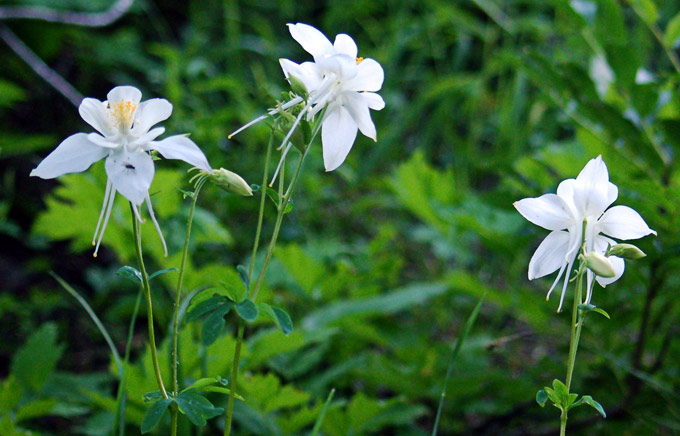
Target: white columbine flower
342	83
125	138
578	201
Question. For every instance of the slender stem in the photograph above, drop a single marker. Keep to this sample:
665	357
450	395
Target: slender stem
234	376
277	224
270	251
263	198
576	326
175	327
149	307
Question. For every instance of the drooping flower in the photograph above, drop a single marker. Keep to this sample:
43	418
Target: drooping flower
125	137
342	83
580	204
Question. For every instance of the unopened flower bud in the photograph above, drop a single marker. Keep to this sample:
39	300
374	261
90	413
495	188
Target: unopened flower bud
230	182
626	251
599	264
298	87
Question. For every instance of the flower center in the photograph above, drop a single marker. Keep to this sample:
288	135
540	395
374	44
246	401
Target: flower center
122	114
359	60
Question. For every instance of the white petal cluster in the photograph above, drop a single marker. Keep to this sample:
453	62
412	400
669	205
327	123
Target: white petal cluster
342	83
124	137
578	201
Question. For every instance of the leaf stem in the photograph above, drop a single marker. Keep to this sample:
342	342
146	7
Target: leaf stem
147	293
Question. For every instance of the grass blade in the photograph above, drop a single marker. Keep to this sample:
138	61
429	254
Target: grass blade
468	326
322	415
94	318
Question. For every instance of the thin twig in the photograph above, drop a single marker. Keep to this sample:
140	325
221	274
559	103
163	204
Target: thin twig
88	19
39	66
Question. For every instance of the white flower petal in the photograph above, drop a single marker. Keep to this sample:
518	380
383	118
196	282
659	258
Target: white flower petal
182	148
549	211
623	222
131	174
593	192
619	266
344	44
150	113
550	255
373	100
94	113
357	107
343	66
127	93
311	39
338	132
370	76
101	141
73	155
600	245
307	72
149	136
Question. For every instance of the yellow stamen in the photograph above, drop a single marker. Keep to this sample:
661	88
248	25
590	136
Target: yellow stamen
359	60
123	112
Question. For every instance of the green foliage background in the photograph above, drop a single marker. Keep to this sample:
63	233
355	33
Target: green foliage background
381	261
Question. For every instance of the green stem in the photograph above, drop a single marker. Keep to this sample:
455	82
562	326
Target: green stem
260	278
263	198
149	307
576	326
175	327
234	376
277	225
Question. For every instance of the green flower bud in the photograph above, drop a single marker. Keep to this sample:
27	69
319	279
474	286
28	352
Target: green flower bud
626	251
599	264
298	87
230	182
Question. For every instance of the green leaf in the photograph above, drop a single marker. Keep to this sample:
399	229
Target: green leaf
243	275
130	273
586	308
273	196
646	9
670	37
10	93
247	310
35	361
160	272
221	390
587	399
197	408
207	381
35	409
213	324
279	316
154	414
384	304
541	397
207	306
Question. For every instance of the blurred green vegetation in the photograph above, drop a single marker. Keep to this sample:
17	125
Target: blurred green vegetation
381	261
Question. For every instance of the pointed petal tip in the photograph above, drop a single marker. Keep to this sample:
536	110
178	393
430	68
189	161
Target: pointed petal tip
33	173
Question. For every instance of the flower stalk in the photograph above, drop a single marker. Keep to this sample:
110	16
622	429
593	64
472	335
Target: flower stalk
281	207
175	330
149	306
